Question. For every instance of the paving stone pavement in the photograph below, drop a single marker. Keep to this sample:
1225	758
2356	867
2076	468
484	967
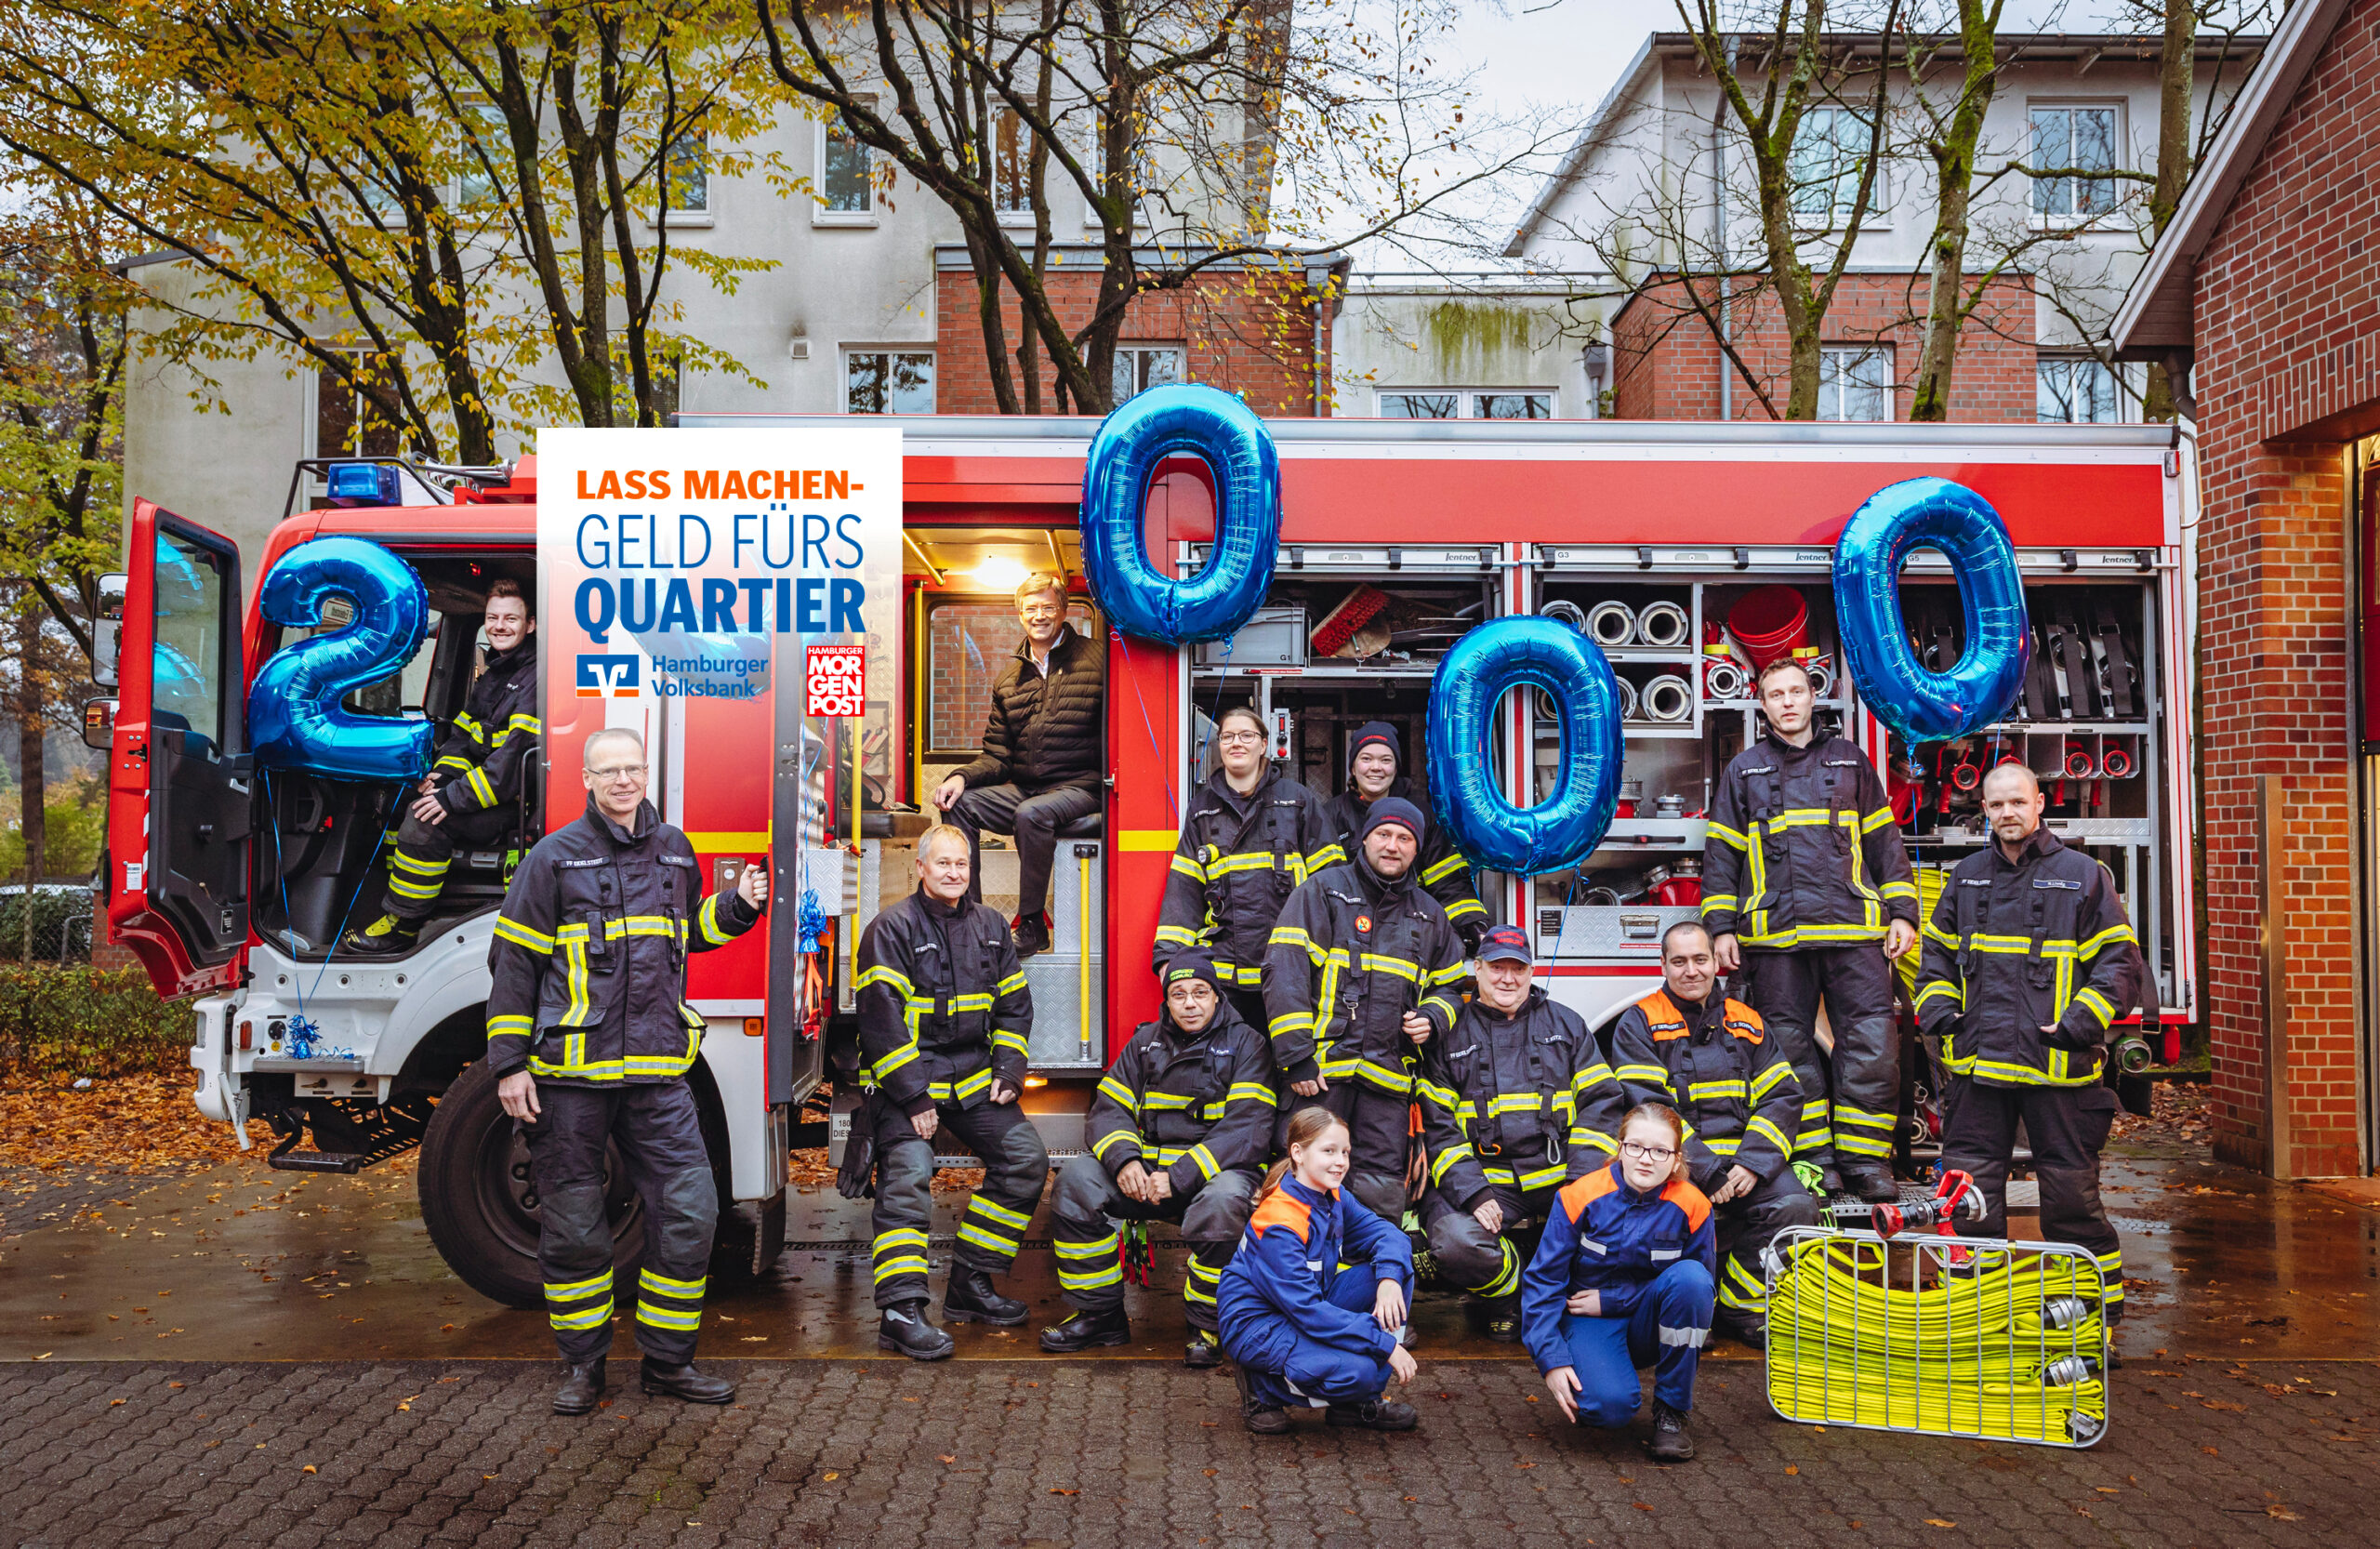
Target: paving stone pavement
1079	1455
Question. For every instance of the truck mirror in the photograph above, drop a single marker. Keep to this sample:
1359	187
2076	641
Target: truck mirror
106	630
99	725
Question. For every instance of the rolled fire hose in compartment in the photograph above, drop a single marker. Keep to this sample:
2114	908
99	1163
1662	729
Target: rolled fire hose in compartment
1668	698
1725	680
1664	624
1610	624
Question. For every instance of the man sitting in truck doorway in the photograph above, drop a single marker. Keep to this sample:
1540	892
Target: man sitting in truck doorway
470	800
1043	763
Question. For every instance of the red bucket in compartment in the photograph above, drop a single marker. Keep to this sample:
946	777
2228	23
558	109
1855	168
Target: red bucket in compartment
1769	623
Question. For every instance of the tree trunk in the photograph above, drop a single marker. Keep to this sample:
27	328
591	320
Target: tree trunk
1945	308
2173	78
32	787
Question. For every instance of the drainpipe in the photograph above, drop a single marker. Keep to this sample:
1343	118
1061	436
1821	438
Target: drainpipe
1719	242
1320	271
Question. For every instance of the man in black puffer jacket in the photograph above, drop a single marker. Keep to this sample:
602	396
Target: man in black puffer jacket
1044	762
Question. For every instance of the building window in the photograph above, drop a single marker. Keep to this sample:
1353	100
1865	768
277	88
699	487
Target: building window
887	382
487	152
686	174
1452	403
346	422
2076	390
1829	152
1856	382
846	191
2081	138
1141	367
1011	166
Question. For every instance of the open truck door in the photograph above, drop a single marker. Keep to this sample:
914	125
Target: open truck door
180	825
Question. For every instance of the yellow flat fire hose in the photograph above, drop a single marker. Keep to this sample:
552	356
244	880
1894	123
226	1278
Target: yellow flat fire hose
2013	1350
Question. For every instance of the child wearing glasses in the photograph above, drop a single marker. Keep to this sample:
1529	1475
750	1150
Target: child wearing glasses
1624	1277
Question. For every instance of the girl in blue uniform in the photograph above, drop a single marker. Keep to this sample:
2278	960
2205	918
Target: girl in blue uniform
1312	1304
1624	1277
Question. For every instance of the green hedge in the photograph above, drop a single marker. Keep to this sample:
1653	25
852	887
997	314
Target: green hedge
61	925
88	1022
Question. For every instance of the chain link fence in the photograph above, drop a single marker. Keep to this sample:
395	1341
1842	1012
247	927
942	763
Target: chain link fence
60	924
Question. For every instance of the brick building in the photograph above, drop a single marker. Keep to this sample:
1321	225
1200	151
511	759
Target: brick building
2266	286
1233	326
1666	362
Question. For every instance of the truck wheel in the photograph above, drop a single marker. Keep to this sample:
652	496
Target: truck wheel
477	1201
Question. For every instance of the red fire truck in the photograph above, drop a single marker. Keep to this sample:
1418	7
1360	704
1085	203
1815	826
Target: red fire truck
1664	541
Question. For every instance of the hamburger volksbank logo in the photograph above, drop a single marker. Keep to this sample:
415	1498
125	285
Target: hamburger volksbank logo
606	676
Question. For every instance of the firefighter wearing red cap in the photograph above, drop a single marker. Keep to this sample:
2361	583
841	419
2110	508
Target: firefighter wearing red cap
1374	758
1179	1131
1516	1101
1803	877
1362	975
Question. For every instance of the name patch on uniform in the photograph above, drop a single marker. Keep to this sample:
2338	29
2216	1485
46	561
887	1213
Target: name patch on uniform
1464	1054
1763	769
581	866
667	859
2055	882
1975	882
1838	763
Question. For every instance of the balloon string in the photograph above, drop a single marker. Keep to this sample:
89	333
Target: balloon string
352	898
1172	802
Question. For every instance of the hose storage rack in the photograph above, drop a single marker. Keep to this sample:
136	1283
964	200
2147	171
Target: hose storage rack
1939	1335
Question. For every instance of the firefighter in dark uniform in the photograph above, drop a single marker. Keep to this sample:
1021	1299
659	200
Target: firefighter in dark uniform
944	1021
590	1038
1363	974
1688	1047
1179	1129
1250	836
1803	874
1374	755
1516	1101
470	800
2027	960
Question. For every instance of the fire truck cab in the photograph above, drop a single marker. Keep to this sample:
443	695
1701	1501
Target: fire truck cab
1667	543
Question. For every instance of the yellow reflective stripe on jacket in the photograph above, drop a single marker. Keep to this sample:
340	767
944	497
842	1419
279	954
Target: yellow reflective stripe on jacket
1445	868
529	937
707	916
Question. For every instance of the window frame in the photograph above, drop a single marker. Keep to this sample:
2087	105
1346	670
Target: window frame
1891	386
819	213
1467	399
926	352
688	216
1023	215
1138	347
2126	407
1878	217
2118	144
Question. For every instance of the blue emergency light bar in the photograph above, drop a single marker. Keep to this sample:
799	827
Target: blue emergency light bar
362	483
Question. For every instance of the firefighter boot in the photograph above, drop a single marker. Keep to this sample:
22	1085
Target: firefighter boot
385	937
904	1331
1743	1326
1031	932
665	1380
1375	1415
1260	1418
1669	1442
1088	1331
1504	1319
581	1388
1204	1352
1871	1182
971	1299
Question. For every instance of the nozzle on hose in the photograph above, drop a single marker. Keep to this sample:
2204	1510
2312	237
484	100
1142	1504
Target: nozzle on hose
2132	1055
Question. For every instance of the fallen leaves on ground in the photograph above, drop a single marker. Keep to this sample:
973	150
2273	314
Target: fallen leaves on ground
2178	1112
143	1123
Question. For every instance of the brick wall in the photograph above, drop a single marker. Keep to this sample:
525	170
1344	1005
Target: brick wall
1242	332
2288	308
1666	365
970	644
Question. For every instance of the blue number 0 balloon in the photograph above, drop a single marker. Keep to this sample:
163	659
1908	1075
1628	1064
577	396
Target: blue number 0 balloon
295	717
1497	657
1923	704
1131	443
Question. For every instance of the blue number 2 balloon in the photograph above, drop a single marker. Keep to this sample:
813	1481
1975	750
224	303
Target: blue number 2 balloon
295	717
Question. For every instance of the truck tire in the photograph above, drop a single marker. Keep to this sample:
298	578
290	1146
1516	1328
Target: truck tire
478	1207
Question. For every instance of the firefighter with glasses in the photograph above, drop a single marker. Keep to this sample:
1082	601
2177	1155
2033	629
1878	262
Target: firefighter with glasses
1516	1100
2028	960
1688	1047
1802	876
590	1038
1179	1131
944	1020
1252	834
1362	977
